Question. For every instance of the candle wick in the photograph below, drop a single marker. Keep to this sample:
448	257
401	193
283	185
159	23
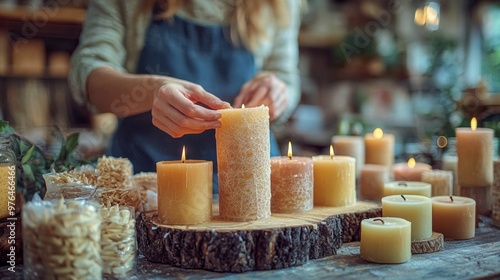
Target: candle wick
290	157
403	197
403	184
379	220
451	197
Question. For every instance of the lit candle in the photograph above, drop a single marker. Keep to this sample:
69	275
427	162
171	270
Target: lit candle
410	171
416	209
334	180
475	155
372	178
353	146
244	164
410	187
291	183
184	191
441	181
385	240
379	148
454	216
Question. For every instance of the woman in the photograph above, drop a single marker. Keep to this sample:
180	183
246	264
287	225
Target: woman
165	67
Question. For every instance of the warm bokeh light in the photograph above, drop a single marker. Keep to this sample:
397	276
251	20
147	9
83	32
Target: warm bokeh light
442	141
331	151
183	157
289	149
378	133
411	163
473	124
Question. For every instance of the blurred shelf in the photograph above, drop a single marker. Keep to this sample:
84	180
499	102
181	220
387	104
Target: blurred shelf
43	15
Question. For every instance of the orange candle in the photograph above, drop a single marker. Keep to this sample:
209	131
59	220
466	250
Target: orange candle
410	171
184	191
454	216
291	183
379	148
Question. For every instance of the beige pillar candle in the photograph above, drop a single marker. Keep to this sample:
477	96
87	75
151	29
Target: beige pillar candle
352	146
379	148
416	209
475	155
450	163
372	178
385	240
454	217
495	191
404	187
244	164
184	191
334	180
291	183
409	171
441	181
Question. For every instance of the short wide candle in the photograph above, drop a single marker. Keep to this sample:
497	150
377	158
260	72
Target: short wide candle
408	171
184	191
416	209
454	217
403	187
385	240
291	184
244	164
334	181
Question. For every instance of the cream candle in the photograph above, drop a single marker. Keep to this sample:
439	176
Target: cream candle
441	181
244	164
353	146
372	178
410	187
379	148
291	183
334	180
416	209
409	171
475	155
450	163
184	191
385	240
454	216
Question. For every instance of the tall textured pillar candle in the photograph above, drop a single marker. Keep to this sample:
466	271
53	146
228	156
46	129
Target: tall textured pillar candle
441	181
454	216
402	187
184	191
244	164
416	209
379	148
352	146
371	181
495	191
385	240
291	183
475	155
334	180
409	171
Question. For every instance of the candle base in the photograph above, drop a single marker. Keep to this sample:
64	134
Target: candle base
428	245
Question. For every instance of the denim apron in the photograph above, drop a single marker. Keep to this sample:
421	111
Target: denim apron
202	54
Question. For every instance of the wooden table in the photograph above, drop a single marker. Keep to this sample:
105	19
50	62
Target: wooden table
475	258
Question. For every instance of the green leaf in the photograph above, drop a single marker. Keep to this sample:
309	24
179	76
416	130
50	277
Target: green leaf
28	155
28	172
5	128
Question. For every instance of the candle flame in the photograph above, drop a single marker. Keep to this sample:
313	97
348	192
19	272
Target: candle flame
442	141
331	151
183	157
242	106
378	133
411	163
473	123
289	149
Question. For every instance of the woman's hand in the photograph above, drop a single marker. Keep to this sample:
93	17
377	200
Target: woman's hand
264	89
177	112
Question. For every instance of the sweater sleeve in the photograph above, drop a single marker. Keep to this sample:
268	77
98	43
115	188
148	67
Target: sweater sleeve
101	45
283	59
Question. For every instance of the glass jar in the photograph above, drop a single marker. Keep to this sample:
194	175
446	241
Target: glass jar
61	239
7	179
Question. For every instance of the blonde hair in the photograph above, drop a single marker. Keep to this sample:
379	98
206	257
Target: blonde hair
248	19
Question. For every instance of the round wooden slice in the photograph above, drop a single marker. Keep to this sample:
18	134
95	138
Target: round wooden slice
283	240
429	245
